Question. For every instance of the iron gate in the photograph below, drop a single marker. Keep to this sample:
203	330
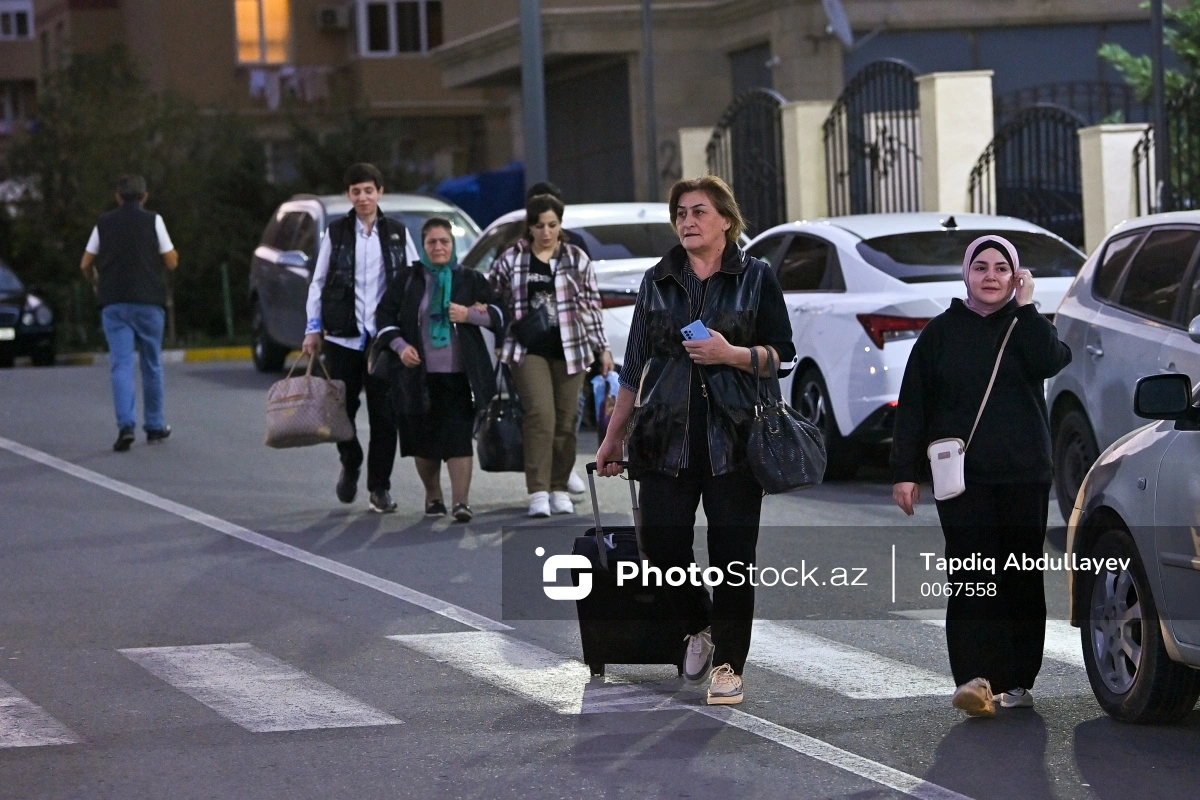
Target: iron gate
872	142
746	151
1030	170
1181	191
1095	101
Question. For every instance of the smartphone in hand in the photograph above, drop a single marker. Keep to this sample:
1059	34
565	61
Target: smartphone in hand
695	332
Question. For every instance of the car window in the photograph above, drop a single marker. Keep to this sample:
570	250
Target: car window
9	282
1153	280
805	266
1194	305
492	244
923	256
305	235
1112	265
282	232
631	240
768	249
464	232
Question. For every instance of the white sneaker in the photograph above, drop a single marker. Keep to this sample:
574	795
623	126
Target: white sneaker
539	504
1017	698
575	484
560	503
726	687
975	698
697	662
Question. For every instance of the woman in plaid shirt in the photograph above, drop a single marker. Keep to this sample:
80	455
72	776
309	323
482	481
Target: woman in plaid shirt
548	289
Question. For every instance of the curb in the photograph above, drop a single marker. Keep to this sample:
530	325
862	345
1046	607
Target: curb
196	355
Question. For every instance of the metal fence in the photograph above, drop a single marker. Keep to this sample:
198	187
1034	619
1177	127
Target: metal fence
1145	187
872	142
1031	170
746	151
1094	101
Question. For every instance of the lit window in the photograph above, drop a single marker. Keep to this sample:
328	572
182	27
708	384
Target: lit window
16	19
263	30
403	26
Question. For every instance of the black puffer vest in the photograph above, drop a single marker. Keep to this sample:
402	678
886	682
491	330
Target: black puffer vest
659	426
337	296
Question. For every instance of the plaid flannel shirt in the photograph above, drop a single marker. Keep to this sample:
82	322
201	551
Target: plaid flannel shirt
576	297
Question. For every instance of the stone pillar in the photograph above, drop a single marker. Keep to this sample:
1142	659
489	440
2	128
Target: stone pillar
804	159
693	152
956	127
1109	191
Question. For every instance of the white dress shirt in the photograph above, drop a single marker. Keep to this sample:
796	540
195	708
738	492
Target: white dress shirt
369	283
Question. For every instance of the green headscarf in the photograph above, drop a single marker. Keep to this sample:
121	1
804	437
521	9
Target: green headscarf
439	306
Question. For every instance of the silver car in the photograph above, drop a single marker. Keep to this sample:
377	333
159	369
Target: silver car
1133	542
1126	315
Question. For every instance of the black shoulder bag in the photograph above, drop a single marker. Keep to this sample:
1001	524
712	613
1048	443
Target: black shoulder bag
785	451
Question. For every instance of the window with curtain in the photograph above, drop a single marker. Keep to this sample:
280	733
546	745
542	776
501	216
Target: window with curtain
399	26
263	31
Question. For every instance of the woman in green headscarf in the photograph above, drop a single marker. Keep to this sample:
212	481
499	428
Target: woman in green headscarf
430	317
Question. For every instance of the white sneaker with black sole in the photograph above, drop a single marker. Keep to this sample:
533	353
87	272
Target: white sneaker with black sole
1016	698
697	661
726	687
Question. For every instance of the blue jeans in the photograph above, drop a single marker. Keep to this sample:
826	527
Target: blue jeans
130	328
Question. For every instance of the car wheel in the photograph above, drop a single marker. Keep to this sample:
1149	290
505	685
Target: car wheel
811	399
268	356
6	361
43	357
1131	674
1074	453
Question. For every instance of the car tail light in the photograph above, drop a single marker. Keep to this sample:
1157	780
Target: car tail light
616	299
882	328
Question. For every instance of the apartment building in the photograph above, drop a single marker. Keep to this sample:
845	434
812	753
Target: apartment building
450	69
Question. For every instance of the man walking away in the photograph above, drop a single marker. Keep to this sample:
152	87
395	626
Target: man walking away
124	260
359	256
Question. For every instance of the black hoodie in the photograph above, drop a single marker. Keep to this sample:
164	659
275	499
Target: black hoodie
944	383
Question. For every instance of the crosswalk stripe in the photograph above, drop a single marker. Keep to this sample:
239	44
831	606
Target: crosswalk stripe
557	682
254	689
847	670
22	724
1062	639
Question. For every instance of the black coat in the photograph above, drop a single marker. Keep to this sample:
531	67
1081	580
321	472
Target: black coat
400	310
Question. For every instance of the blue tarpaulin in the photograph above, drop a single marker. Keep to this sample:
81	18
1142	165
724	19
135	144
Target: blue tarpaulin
487	195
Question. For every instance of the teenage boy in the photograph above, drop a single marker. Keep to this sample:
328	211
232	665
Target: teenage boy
360	254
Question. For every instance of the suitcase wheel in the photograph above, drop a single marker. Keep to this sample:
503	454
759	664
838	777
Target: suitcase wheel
598	669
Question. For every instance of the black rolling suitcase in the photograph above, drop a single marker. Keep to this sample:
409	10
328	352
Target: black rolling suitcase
622	624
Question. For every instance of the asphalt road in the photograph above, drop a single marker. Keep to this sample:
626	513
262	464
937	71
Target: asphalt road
202	619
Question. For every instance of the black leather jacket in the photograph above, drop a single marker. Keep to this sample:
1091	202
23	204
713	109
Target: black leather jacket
662	410
400	310
337	296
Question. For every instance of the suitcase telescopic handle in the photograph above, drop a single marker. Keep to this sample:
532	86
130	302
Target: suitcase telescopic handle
591	473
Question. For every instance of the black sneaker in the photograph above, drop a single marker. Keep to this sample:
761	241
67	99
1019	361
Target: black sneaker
381	502
124	440
462	512
435	508
158	435
347	485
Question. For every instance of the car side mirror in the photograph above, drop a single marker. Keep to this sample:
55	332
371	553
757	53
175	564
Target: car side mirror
1163	396
293	258
1194	329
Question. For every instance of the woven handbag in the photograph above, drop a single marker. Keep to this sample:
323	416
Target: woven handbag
785	451
307	409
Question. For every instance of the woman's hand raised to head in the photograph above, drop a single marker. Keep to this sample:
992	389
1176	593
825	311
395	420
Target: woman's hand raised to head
1023	281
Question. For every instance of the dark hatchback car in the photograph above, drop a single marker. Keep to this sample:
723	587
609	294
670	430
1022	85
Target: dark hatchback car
26	323
283	262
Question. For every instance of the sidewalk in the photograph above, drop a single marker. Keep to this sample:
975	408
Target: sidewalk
168	356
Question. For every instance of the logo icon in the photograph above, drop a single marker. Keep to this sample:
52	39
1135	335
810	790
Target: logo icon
559	562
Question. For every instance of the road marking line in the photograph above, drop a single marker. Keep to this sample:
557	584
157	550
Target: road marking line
22	724
847	670
255	689
793	740
1062	639
428	602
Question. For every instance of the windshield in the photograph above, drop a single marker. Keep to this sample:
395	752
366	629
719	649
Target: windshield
937	255
9	282
632	240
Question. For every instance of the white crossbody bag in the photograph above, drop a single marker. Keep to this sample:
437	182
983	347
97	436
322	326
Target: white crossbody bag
948	457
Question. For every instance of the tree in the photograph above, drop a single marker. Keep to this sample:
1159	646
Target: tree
1181	35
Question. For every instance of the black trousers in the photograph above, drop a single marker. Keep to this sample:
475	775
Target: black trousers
998	637
351	366
732	504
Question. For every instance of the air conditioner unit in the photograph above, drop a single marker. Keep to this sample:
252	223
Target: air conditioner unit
333	18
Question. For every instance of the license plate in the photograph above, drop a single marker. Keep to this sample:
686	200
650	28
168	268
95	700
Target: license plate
7	334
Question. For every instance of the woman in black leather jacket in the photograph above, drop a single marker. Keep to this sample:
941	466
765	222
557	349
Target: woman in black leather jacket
694	401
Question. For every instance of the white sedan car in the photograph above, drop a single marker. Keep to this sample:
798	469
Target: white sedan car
860	288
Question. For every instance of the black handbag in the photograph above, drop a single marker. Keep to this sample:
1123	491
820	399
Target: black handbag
534	327
785	451
499	440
